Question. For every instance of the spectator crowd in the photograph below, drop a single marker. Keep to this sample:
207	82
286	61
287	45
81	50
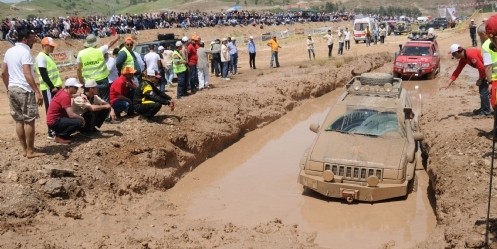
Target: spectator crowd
79	27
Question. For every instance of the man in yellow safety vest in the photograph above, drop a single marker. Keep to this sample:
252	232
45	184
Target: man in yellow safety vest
91	64
49	76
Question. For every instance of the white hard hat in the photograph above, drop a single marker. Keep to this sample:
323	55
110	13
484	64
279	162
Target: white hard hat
455	48
184	39
251	37
472	20
161	48
179	44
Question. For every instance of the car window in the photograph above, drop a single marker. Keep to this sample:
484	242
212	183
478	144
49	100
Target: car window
367	122
360	26
415	51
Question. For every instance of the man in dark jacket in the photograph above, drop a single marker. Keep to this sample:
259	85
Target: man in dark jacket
148	98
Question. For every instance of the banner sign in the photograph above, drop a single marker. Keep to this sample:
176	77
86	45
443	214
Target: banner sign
63	58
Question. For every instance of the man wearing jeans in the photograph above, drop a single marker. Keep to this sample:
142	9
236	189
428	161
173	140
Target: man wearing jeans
474	58
179	68
252	52
329	42
121	92
273	43
61	117
225	59
233	55
23	93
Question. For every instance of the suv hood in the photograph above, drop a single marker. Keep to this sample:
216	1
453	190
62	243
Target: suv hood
412	59
359	150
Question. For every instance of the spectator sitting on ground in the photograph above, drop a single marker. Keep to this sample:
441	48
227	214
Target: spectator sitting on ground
91	107
148	99
60	115
121	92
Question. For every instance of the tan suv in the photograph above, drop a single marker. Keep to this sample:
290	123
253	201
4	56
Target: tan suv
368	146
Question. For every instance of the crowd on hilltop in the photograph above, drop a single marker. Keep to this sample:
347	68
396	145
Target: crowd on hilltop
75	27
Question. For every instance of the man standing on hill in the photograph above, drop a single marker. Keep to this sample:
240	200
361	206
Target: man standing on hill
347	38
192	62
127	58
275	46
49	77
24	95
91	64
329	41
472	32
472	57
179	68
252	52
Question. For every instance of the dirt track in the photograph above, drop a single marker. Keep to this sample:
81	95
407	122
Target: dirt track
116	197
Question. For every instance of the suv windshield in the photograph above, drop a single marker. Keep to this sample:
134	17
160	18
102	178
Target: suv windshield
415	51
366	122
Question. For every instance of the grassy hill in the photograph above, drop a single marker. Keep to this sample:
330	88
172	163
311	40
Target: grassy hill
45	8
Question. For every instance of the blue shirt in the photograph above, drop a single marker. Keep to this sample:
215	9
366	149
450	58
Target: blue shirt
232	48
251	47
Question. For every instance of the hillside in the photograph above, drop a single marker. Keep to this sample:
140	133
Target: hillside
99	7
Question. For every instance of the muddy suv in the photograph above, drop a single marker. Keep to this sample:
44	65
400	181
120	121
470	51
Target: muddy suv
368	147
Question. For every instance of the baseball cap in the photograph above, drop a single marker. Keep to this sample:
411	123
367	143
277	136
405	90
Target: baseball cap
90	83
179	44
48	41
184	39
151	72
224	39
72	82
161	48
472	20
128	38
455	48
491	26
251	37
128	70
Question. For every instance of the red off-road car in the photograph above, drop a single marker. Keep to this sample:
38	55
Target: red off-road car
417	59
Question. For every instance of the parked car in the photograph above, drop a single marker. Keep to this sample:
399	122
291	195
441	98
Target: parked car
368	146
165	40
402	27
418	58
360	26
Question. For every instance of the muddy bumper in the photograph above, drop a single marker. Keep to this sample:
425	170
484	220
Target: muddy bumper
352	192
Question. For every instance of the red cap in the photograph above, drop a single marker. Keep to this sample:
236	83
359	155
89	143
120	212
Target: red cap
491	25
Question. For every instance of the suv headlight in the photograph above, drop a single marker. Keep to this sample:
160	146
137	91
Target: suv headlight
425	65
399	64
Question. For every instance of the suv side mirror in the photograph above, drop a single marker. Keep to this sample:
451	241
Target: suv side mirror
314	128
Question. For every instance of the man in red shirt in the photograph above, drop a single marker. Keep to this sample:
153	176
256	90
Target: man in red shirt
60	115
120	94
192	62
472	57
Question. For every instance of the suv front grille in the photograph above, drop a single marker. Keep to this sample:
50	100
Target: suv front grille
354	173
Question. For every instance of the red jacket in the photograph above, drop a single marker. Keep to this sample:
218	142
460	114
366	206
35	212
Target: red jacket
473	58
118	88
192	54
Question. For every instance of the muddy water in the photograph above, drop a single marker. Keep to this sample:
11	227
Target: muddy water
254	181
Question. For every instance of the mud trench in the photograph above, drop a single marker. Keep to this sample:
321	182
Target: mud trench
254	181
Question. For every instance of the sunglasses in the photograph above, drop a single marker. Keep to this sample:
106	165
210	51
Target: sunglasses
129	45
454	53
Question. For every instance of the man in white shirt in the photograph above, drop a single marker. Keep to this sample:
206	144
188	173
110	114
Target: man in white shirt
24	95
152	59
347	38
167	63
329	41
